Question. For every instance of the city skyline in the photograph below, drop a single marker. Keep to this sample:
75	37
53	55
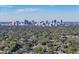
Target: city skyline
39	12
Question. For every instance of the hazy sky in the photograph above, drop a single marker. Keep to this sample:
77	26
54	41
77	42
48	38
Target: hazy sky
39	12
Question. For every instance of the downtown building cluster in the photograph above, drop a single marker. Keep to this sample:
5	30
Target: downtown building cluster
39	23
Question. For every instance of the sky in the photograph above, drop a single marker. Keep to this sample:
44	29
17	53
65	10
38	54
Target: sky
39	12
